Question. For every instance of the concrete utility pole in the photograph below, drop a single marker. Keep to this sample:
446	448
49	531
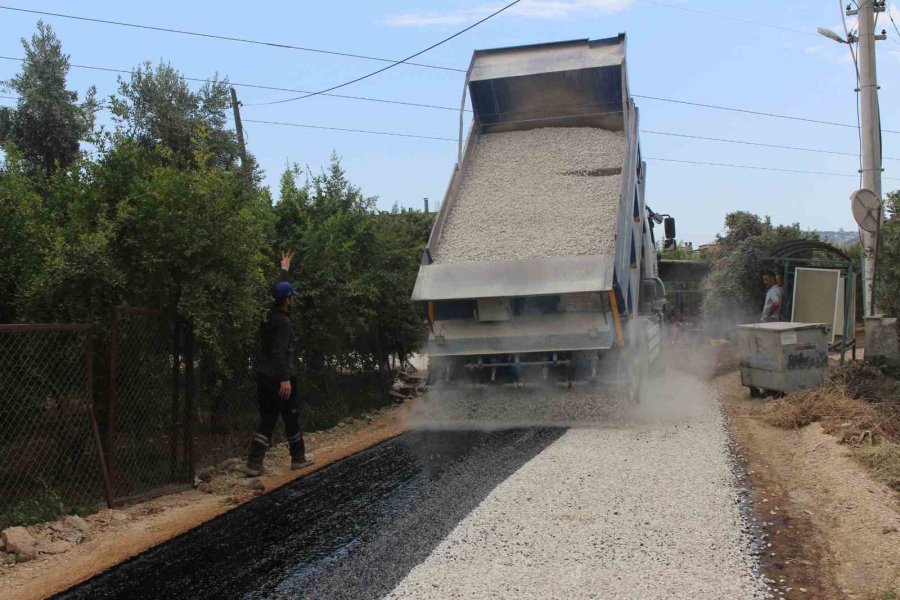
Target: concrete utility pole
870	123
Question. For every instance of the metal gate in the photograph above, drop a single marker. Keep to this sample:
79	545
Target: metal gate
150	405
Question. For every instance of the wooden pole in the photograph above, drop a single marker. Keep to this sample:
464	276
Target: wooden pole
236	107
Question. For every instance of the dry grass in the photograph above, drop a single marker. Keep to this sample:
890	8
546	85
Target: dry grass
854	421
883	461
859	404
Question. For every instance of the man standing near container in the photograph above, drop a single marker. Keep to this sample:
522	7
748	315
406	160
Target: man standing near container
276	379
774	299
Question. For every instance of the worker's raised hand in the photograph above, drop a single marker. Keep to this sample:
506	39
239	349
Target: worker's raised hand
286	260
284	391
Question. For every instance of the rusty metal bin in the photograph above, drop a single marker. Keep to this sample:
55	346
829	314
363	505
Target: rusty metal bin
783	357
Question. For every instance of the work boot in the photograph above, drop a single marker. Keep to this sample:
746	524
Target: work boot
253	469
300	463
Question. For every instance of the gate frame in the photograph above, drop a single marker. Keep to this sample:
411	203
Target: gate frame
179	350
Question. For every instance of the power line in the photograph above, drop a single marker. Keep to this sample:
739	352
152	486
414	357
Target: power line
754	112
726	17
224	38
891	15
760	144
399	62
645	131
390	133
691	162
262	87
450	108
756	168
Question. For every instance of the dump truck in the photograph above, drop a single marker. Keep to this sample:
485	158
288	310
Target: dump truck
542	263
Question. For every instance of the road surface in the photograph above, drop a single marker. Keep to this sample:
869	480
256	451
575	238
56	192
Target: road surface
650	508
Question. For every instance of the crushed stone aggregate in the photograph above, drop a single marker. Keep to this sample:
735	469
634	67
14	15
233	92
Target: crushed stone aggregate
552	191
651	510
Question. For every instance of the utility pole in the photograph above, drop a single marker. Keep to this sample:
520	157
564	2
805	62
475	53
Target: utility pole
870	123
236	107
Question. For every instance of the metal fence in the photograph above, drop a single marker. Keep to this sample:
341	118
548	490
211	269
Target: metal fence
51	461
164	413
226	414
149	404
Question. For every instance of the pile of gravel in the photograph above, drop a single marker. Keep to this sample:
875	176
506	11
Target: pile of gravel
650	510
543	192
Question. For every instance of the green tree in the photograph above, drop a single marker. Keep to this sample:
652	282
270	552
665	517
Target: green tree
355	270
23	233
47	123
888	286
734	292
156	108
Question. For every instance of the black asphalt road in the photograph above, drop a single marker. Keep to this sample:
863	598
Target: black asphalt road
351	530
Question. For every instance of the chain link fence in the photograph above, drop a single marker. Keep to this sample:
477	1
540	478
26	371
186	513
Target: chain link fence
51	461
148	405
164	412
226	415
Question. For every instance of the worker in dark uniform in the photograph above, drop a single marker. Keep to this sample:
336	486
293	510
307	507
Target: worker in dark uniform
276	379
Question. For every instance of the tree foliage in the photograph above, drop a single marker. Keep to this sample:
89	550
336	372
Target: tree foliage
734	292
888	287
354	271
155	108
47	123
162	215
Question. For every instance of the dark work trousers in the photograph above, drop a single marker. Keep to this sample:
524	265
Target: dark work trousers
270	408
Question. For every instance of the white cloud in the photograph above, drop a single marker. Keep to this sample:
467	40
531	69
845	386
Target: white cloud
536	9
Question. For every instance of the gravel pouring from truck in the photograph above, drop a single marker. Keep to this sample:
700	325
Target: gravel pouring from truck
542	260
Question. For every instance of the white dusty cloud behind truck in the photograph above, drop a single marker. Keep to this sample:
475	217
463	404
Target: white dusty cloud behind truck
542	261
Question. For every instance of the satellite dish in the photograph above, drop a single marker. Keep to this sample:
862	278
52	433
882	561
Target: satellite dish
866	208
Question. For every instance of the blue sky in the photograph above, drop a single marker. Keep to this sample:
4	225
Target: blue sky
672	53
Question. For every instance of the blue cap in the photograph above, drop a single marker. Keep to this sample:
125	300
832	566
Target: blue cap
283	289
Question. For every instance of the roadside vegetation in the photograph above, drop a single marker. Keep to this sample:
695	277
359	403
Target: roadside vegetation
860	405
734	293
161	211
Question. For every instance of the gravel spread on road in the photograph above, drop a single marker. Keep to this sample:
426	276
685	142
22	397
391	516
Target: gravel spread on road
646	511
541	192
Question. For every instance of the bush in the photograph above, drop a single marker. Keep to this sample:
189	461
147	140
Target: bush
735	293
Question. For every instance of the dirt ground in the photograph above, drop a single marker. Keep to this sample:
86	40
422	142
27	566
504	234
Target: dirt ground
116	535
833	530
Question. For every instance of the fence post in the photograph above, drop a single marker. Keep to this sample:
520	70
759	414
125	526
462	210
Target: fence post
382	380
111	408
176	392
190	387
89	397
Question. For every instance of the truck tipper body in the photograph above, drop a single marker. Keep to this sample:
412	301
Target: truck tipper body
542	259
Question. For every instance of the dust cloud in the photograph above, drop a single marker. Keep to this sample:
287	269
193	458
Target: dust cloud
673	396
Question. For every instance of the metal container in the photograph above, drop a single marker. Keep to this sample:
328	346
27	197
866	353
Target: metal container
783	357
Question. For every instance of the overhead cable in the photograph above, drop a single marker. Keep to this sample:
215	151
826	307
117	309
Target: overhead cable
726	17
226	38
756	168
754	112
450	108
263	87
399	62
760	144
310	126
